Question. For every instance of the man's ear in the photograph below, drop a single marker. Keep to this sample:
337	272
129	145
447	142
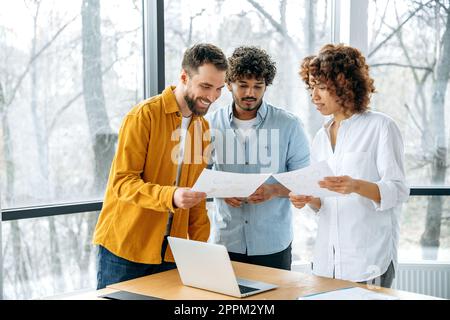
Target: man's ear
229	87
184	77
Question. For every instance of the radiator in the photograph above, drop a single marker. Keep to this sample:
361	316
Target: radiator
430	278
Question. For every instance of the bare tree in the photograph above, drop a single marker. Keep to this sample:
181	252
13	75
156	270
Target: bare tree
102	137
42	147
314	117
431	235
8	150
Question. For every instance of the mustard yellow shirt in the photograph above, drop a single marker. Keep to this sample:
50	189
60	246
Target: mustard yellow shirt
142	181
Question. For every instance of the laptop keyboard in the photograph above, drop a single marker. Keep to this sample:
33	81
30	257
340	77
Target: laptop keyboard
244	289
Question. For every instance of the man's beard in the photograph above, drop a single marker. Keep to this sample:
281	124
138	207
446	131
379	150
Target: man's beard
243	107
191	103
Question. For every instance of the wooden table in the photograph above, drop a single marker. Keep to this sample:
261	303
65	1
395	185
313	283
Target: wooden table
168	285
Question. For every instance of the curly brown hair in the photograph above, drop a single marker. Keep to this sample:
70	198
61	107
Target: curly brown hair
343	69
248	62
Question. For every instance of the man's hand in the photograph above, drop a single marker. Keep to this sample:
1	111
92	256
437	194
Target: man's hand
234	202
342	184
264	193
299	201
185	198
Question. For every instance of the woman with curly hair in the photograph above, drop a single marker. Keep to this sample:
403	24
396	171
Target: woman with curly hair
358	233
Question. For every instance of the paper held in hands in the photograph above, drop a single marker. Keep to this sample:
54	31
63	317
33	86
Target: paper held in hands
305	181
221	184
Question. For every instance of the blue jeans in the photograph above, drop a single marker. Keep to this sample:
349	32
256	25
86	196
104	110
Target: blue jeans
112	269
280	260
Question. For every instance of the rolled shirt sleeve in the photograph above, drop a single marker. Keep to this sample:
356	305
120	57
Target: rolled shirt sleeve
389	160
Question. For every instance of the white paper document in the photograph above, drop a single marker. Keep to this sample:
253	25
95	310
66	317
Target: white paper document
305	181
354	293
221	184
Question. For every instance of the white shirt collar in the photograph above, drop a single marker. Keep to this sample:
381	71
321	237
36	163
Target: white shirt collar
349	120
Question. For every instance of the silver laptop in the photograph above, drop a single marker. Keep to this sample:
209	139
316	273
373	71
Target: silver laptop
208	266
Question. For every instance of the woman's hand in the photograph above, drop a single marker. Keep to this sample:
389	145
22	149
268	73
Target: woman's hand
341	184
346	185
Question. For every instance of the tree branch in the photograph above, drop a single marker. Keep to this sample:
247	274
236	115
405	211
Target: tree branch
417	124
283	5
33	58
191	23
266	15
278	26
381	44
378	30
394	64
2	98
443	7
76	97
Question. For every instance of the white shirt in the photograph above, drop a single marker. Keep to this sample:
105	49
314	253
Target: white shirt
184	127
357	238
244	126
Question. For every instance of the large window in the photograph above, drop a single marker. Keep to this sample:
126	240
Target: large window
287	30
69	71
409	54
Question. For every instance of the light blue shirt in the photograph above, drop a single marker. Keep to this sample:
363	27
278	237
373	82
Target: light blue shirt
278	144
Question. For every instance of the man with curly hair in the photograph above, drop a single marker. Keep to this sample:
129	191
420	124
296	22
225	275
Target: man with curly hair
357	234
252	136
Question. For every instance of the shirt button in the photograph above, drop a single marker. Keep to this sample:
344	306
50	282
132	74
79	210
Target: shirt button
246	221
246	162
178	114
174	183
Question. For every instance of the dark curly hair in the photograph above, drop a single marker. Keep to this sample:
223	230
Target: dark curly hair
344	71
201	53
248	62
